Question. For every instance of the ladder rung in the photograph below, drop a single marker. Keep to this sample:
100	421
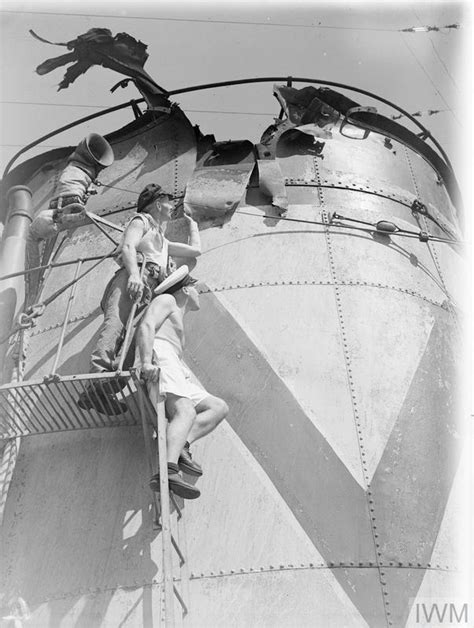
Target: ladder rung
175	504
180	600
178	550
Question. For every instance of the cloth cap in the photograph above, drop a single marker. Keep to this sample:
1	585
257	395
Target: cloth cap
187	281
175	281
151	193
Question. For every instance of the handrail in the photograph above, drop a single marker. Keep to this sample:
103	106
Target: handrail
92	258
65	128
193	88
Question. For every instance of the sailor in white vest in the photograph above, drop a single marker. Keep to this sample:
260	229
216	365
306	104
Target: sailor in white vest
143	242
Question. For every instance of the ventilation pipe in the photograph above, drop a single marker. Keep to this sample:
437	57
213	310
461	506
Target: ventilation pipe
12	260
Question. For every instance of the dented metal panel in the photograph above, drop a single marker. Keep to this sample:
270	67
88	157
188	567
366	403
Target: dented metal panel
220	179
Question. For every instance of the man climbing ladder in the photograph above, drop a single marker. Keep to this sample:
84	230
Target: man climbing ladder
143	244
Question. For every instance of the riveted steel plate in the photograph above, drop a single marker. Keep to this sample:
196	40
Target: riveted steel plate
234	600
78	345
312	365
430	187
98	481
368	158
439	590
251	249
396	262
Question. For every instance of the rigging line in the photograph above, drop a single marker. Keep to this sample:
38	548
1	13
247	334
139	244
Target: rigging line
443	63
419	114
429	78
101	228
402	233
93	258
56	294
436	53
106	185
202	21
39	145
428	112
51	104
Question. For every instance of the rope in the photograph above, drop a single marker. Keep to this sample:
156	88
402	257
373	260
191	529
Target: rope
26	318
130	322
56	294
114	187
100	227
50	265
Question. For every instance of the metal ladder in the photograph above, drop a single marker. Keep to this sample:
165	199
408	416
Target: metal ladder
161	506
173	545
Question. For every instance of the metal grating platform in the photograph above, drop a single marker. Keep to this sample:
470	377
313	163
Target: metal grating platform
50	405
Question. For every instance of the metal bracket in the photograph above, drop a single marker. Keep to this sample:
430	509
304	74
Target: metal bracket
318	149
424	236
418	207
347	121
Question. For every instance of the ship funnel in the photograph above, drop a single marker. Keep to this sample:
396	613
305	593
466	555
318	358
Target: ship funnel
95	150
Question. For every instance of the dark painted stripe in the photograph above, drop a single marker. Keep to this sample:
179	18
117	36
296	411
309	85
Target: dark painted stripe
322	494
416	472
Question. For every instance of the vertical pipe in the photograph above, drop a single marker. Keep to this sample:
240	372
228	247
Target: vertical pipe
12	259
12	295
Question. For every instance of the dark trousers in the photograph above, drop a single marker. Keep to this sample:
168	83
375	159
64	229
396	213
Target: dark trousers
117	305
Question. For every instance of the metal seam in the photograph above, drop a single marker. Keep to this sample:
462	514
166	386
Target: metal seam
366	284
75	319
431	248
242	572
174	128
364	189
358	426
317	566
99	590
406	201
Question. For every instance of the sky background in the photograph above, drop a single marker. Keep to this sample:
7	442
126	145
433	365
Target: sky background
191	43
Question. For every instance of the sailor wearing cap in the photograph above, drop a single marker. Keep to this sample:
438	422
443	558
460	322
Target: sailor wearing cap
143	244
192	412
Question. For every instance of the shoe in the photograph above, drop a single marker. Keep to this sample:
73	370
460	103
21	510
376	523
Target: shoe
175	483
96	399
187	464
114	386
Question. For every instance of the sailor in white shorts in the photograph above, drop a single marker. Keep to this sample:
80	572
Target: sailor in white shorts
175	377
192	412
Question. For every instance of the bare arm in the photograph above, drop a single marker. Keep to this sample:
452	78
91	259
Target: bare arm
133	235
155	315
193	248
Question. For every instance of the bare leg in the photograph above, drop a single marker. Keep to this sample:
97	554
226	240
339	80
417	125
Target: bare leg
181	414
209	413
